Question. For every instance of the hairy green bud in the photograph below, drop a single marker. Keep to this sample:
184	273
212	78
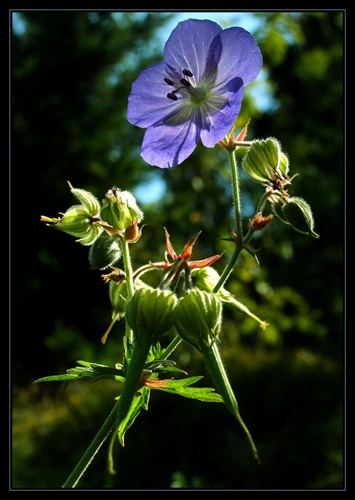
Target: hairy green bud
296	212
120	209
75	221
104	252
199	318
78	223
283	164
118	298
151	312
81	221
263	160
207	278
277	207
87	199
118	295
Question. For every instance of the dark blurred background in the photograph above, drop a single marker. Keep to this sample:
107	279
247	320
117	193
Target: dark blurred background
71	74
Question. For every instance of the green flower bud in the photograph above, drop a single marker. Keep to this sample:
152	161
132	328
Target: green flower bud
88	200
151	312
263	160
120	209
284	164
104	252
207	278
118	298
199	318
80	221
118	294
277	208
298	213
75	221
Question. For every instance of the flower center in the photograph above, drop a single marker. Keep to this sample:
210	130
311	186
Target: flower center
198	94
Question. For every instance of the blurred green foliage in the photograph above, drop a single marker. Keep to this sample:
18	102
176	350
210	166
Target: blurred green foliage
71	77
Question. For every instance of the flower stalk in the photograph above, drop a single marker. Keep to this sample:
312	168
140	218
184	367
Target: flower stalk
238	221
236	196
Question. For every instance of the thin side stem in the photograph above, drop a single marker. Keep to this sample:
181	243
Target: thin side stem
238	221
128	267
227	270
243	240
171	347
215	365
260	208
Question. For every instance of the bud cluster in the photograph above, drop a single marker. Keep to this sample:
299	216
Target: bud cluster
101	227
267	164
197	316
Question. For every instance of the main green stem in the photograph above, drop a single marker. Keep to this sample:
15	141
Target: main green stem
91	451
134	371
130	386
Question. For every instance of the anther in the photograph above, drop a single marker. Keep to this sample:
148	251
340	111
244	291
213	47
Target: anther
187	72
185	82
172	96
168	81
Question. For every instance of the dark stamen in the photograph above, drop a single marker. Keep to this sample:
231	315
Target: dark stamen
187	72
172	96
185	82
168	81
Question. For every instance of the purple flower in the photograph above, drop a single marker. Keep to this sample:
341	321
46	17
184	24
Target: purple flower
195	93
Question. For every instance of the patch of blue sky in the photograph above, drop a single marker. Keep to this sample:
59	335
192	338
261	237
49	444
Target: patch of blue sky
150	191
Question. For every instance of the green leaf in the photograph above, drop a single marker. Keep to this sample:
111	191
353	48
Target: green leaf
56	378
87	370
139	403
184	382
180	387
173	369
163	365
